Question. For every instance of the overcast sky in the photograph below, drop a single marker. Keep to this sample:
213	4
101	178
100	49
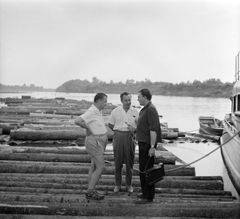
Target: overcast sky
49	42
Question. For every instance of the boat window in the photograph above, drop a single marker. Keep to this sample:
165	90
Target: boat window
238	102
234	103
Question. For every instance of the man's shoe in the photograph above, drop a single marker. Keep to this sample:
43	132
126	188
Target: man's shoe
141	196
130	189
144	201
117	189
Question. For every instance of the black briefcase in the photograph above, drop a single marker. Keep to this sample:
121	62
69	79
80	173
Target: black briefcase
154	174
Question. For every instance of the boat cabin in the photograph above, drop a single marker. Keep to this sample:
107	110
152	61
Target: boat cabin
236	99
236	89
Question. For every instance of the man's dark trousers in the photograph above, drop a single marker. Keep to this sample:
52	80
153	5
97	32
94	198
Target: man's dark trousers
144	159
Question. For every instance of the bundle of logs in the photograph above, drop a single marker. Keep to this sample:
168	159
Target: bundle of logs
44	167
53	119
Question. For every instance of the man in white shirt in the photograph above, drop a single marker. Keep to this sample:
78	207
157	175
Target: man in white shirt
95	142
123	122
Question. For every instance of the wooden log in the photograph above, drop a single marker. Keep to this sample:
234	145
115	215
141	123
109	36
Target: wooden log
51	157
211	137
47	143
76	198
77	168
40	115
69	155
106	188
81	182
33	107
53	135
52	150
29	176
123	207
169	135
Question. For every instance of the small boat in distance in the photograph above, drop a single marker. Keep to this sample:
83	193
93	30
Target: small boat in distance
210	125
230	140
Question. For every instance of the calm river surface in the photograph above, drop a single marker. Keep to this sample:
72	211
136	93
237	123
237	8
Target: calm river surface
178	112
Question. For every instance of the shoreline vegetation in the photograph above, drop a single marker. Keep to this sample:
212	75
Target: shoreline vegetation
210	88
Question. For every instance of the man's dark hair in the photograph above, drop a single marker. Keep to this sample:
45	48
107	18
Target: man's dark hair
99	96
146	93
123	94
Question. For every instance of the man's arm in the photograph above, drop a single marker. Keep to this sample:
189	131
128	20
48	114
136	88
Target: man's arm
80	122
110	126
153	140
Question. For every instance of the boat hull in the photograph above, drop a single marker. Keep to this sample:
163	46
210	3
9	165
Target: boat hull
230	151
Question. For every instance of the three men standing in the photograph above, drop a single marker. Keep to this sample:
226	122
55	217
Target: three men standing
123	122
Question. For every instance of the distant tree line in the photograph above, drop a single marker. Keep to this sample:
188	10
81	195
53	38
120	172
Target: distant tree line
23	88
208	88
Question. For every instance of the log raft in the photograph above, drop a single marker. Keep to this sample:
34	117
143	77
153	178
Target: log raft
40	188
50	182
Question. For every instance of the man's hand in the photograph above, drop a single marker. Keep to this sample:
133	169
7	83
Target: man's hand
131	128
151	152
88	132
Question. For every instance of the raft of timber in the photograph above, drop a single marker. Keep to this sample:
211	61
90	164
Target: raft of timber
50	182
52	119
43	174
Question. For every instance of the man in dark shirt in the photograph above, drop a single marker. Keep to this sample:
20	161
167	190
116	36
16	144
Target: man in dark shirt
148	133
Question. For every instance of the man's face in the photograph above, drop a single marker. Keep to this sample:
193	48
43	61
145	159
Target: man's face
126	101
141	99
103	103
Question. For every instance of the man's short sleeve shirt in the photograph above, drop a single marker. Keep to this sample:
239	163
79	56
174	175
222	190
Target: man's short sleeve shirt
93	117
119	118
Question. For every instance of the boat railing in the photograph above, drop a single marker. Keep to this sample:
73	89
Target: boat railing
228	122
237	67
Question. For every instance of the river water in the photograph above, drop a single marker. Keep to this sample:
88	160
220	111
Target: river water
178	112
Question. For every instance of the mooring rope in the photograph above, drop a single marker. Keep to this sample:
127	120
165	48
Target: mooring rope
186	165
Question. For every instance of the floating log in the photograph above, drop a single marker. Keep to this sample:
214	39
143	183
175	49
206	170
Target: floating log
51	135
121	207
211	137
64	134
169	135
165	158
174	192
80	182
78	168
51	150
75	198
50	157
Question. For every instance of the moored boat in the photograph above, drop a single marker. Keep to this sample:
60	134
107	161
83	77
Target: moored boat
230	139
210	125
